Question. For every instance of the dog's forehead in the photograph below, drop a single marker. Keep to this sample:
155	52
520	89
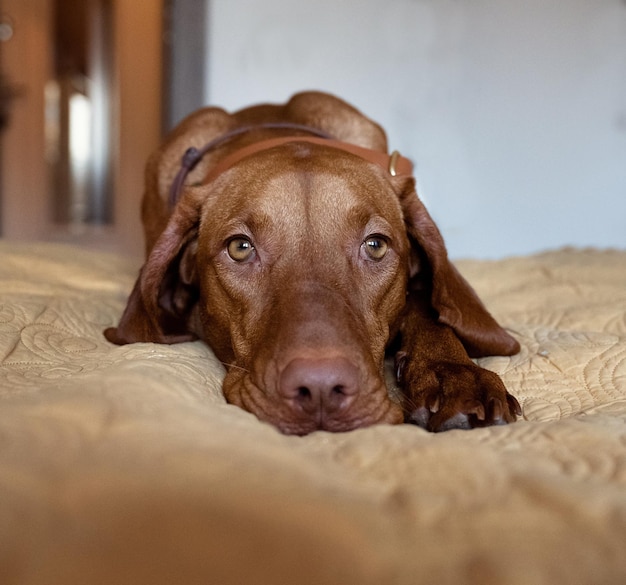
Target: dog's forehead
299	183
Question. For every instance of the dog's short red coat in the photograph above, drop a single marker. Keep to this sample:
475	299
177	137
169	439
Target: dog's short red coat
301	266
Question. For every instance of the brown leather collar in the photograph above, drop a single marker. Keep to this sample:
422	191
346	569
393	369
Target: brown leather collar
394	164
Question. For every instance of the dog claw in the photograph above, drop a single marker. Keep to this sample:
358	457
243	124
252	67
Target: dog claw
514	405
400	360
496	410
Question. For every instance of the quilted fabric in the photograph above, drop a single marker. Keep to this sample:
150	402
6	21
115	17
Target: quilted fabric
125	464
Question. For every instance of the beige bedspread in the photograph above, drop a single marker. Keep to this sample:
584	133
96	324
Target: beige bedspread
124	465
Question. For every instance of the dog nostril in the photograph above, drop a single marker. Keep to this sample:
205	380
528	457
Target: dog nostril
304	393
338	390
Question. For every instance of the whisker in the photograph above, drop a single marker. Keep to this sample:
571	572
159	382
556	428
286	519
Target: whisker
227	365
408	403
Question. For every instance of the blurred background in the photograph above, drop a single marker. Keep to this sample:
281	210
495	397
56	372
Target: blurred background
514	113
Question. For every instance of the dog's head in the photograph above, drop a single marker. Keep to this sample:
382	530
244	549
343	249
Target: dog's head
294	265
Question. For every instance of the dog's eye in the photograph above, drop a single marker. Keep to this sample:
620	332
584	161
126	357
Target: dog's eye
240	249
376	247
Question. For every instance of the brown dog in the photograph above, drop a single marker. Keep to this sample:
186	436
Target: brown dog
287	244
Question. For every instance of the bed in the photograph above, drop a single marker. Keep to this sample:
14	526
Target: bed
125	465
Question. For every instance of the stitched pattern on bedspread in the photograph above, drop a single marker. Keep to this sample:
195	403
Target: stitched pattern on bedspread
133	447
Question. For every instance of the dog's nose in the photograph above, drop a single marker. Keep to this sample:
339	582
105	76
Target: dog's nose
320	386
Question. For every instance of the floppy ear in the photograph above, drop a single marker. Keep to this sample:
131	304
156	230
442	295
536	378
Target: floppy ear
161	305
452	297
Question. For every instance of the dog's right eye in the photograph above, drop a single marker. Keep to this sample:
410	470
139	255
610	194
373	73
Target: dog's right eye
376	247
240	249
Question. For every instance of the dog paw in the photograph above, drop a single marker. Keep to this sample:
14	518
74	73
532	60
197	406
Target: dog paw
447	395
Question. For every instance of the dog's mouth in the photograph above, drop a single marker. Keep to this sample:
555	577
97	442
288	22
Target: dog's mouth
389	414
293	424
321	396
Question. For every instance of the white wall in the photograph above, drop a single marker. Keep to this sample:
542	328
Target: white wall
514	112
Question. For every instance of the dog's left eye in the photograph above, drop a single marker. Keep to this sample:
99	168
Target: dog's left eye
240	249
376	247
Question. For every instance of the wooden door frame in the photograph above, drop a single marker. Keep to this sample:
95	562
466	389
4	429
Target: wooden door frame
137	89
27	65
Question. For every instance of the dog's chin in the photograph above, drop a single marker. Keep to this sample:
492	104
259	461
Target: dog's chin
290	424
393	415
302	428
375	407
